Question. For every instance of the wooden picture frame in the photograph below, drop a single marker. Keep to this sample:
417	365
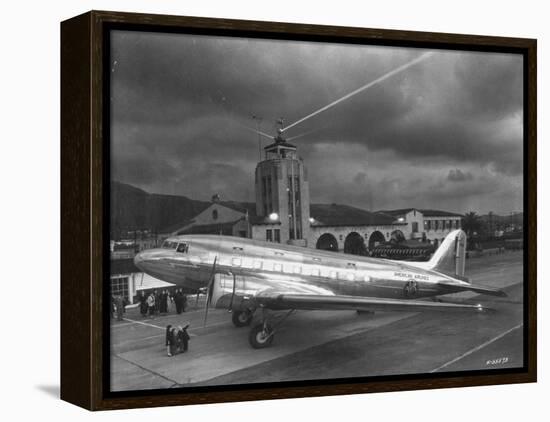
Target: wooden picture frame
85	213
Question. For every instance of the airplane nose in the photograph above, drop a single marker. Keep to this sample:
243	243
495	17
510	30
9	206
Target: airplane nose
143	259
138	259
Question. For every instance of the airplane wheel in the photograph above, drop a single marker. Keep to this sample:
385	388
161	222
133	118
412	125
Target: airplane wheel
260	338
241	318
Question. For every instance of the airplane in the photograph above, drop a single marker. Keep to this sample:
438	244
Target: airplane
245	275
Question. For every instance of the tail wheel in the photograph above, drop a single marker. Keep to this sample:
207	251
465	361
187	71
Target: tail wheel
241	318
261	336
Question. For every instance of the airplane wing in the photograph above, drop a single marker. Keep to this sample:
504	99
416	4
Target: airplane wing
278	301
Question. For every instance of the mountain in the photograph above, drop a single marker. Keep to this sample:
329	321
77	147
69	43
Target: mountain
133	209
495	219
136	209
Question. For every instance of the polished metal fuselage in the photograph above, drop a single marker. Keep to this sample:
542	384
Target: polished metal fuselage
258	266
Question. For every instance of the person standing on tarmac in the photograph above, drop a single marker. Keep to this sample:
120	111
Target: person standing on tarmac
171	341
178	300
157	301
119	302
142	304
183	301
151	304
163	302
183	338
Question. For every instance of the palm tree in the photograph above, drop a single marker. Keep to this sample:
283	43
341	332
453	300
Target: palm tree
471	223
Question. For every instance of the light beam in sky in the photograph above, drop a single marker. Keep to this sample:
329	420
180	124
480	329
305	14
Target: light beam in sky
362	88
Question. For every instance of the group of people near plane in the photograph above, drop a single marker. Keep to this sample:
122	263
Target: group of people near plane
159	302
177	340
156	302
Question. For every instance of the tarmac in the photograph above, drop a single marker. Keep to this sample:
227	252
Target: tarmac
314	345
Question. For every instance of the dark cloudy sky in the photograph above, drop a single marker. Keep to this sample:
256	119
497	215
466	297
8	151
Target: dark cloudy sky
445	133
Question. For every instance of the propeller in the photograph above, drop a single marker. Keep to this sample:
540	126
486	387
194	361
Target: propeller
209	289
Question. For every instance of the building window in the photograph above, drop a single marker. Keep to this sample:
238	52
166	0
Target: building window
294	207
415	226
242	233
119	286
214	214
269	235
277	233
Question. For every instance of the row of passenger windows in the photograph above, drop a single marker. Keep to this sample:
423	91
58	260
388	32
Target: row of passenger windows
290	268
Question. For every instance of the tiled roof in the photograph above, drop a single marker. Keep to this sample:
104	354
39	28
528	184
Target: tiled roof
344	215
240	206
425	213
400	211
439	213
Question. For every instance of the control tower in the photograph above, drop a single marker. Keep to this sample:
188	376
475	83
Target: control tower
282	191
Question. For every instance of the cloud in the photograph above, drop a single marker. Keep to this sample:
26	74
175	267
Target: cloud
457	175
180	104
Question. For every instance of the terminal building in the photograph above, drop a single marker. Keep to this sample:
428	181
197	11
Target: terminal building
282	213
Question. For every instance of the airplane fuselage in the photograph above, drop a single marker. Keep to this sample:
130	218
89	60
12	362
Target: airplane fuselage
256	266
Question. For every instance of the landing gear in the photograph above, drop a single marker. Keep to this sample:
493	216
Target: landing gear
241	318
261	336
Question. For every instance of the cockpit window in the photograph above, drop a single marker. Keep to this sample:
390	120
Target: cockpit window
168	244
182	248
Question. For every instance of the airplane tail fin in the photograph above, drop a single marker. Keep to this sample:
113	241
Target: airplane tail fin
450	257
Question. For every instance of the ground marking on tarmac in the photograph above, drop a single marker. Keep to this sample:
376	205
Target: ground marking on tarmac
148	370
132	321
475	349
144	323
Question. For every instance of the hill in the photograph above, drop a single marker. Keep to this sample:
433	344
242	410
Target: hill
133	208
503	220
